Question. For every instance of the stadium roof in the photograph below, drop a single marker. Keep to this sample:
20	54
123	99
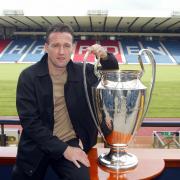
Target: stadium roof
102	17
94	24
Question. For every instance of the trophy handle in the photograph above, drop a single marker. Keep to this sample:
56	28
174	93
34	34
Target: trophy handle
96	72
153	63
86	91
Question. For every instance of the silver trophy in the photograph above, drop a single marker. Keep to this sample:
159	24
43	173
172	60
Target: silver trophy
120	102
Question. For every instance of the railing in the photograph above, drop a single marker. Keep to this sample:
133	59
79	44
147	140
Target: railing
145	123
161	124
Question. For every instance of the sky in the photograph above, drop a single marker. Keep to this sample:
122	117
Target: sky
67	7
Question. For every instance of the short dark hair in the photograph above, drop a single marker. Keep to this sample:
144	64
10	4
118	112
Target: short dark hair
60	27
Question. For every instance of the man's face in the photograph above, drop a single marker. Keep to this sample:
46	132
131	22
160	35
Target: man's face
59	48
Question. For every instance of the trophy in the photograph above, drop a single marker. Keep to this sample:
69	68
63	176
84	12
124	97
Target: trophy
120	102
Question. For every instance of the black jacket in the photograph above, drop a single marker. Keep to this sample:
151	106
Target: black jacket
35	109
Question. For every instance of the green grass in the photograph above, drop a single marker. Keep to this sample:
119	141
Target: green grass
165	100
8	81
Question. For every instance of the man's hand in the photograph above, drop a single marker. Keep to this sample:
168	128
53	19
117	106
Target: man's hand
98	50
76	155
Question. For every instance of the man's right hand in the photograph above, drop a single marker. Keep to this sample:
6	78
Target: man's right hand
76	155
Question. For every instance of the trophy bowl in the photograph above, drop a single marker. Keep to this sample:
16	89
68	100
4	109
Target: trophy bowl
120	102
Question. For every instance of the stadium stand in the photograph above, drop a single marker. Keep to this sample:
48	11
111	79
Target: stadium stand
16	50
26	50
35	52
130	48
80	50
160	53
174	49
3	44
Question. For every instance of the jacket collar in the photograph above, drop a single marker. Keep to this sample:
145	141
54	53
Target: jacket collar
43	66
72	69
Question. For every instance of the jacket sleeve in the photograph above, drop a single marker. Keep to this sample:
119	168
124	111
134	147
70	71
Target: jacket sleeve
110	63
29	114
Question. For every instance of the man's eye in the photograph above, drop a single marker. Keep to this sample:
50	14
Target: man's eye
54	45
67	46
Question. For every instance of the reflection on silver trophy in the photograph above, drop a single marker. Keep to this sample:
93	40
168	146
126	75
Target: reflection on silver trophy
120	102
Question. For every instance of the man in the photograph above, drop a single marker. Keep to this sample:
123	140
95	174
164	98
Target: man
58	128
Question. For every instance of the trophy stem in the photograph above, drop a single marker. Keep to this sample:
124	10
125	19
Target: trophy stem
118	159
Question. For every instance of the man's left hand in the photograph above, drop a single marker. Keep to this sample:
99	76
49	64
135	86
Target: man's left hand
98	51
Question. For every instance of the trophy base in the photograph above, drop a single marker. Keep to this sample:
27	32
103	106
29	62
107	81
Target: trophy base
118	160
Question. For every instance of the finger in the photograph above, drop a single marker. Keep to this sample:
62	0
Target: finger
89	49
80	144
85	162
95	48
76	164
101	52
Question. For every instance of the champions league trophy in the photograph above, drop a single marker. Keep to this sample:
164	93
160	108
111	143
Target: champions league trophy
120	102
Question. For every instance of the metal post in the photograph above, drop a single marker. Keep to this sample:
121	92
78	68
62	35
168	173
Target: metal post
3	136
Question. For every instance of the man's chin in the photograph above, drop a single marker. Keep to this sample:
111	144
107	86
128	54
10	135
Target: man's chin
63	65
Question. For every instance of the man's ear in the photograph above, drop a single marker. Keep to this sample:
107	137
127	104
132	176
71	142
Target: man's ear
46	47
73	48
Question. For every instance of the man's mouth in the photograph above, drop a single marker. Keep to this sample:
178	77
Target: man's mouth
61	58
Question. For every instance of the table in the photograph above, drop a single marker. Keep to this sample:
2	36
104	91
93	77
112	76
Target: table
151	162
148	168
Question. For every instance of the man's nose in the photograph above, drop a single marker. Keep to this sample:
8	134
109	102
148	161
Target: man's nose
61	50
